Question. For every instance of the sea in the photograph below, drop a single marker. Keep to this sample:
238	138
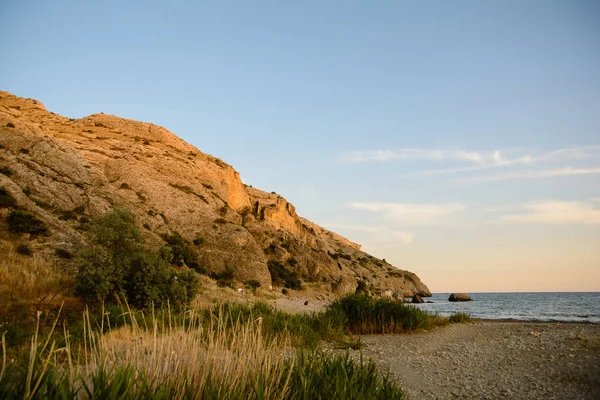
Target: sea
559	307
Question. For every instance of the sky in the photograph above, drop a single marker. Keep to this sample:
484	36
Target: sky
456	139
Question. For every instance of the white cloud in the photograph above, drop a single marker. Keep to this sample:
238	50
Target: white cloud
480	157
541	164
498	163
413	214
558	212
364	156
532	174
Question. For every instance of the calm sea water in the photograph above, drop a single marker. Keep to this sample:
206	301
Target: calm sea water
580	307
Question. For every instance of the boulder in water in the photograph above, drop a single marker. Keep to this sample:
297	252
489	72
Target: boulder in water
459	297
417	299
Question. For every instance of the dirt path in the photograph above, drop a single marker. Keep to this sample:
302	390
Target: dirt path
491	360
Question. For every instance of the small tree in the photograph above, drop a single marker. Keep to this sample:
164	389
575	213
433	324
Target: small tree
117	263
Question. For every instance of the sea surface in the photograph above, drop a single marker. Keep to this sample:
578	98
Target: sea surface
569	306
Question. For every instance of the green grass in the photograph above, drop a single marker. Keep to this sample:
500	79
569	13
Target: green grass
221	357
366	315
461	318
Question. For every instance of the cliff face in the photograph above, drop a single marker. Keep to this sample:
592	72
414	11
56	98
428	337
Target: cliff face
53	165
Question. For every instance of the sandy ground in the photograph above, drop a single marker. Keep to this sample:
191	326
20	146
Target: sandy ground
493	360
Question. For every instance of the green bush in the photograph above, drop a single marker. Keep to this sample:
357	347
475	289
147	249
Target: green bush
20	221
24	249
461	318
67	216
5	171
10	125
283	276
366	315
224	278
253	284
62	253
182	252
79	210
118	264
6	199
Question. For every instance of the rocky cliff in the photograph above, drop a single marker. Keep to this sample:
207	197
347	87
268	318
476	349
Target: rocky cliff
67	170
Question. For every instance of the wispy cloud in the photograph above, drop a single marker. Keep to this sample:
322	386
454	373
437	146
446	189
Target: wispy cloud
531	174
413	214
421	154
557	212
516	163
496	157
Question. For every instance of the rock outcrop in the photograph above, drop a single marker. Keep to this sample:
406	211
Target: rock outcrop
66	171
459	297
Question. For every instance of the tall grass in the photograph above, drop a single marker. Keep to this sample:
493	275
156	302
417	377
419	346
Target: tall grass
224	354
365	315
29	284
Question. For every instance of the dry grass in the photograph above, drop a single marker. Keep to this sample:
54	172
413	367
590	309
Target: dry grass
230	352
29	283
210	356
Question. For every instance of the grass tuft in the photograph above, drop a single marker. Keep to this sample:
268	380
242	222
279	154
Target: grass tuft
461	318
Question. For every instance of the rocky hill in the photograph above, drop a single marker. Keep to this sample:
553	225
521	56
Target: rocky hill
66	171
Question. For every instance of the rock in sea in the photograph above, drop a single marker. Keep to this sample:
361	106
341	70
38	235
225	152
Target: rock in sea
459	297
417	299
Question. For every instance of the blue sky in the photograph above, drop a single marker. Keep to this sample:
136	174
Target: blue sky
456	139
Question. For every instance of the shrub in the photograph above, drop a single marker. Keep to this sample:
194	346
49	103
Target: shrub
24	249
5	171
62	253
79	210
281	275
10	125
198	241
6	199
224	278
461	318
20	221
182	252
67	216
361	288
220	221
99	124
366	315
253	284
117	263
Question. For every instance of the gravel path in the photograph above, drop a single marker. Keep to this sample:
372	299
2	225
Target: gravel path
492	360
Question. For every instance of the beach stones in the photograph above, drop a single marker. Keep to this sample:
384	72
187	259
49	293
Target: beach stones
459	297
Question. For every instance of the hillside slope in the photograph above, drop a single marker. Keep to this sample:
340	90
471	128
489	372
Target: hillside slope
66	170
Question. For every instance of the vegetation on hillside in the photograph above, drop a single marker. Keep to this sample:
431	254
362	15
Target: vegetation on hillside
117	263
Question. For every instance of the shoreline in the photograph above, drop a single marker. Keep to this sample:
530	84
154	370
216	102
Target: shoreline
535	321
296	305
